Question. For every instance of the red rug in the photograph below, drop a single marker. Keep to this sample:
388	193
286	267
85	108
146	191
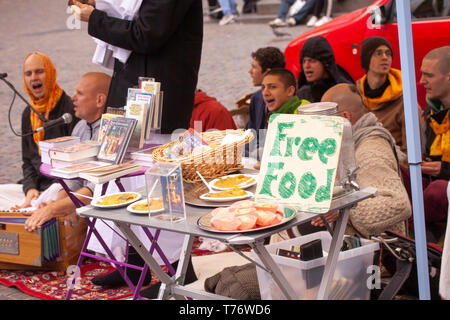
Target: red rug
53	285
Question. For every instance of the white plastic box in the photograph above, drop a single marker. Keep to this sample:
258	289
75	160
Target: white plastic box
350	277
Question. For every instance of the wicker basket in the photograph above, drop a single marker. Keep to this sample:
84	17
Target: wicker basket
212	163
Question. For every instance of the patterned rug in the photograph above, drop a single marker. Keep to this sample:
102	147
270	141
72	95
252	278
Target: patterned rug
53	285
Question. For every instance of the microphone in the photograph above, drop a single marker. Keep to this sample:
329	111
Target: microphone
64	119
3	75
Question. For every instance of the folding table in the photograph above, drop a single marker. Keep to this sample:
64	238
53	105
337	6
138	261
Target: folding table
173	286
45	169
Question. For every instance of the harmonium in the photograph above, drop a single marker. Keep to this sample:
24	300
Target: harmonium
53	246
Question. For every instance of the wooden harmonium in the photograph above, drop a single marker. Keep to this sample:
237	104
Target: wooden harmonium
20	246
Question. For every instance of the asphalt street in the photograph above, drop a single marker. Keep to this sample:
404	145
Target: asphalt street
45	25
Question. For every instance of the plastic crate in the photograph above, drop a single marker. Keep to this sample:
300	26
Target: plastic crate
350	277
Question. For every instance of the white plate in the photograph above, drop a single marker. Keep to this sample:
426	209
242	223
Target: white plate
242	186
204	222
227	199
130	208
94	201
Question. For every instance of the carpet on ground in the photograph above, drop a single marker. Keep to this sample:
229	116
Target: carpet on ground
52	285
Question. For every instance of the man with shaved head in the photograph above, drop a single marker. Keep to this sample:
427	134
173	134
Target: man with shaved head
436	159
50	103
89	102
375	155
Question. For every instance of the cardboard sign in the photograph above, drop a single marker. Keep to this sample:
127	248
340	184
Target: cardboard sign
300	160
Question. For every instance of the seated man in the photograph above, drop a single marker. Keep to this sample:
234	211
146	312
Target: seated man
278	90
436	165
89	103
47	98
319	70
263	60
379	168
208	113
381	87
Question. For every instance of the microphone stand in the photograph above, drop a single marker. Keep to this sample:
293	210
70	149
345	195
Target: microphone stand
24	100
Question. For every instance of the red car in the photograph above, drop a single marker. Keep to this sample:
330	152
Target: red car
430	28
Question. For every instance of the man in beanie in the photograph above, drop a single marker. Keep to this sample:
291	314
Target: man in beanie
381	88
319	70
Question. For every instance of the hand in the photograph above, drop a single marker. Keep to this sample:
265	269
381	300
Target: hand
329	217
32	194
431	168
85	10
39	217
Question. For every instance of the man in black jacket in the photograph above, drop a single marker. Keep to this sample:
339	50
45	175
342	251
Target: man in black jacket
319	70
165	38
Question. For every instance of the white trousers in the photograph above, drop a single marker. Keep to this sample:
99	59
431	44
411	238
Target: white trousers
170	242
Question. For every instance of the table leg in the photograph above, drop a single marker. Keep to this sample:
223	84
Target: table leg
275	271
333	254
142	251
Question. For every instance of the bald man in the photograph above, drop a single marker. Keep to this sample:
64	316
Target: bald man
375	150
89	102
436	164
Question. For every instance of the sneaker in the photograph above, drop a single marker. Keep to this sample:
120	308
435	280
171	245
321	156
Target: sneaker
229	18
311	22
277	23
322	21
291	22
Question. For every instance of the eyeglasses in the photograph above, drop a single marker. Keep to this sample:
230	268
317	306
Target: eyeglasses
379	53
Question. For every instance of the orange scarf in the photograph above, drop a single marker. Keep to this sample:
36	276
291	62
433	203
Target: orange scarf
392	92
46	104
441	144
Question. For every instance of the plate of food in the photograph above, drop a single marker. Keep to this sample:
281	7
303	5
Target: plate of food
116	200
240	180
227	195
141	207
246	216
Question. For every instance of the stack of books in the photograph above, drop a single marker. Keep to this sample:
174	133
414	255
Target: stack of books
60	142
144	105
107	173
68	161
106	156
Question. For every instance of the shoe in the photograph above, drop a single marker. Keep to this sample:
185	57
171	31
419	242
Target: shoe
277	23
322	21
229	18
114	279
311	22
152	291
291	22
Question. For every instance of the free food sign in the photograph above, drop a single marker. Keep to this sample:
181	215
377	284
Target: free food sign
300	160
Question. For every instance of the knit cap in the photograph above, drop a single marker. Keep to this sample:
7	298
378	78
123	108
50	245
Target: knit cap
368	47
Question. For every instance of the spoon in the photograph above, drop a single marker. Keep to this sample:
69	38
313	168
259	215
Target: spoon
206	183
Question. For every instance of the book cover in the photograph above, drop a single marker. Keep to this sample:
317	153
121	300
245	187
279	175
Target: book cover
107	173
116	139
62	164
154	116
106	117
138	110
73	171
58	142
74	152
